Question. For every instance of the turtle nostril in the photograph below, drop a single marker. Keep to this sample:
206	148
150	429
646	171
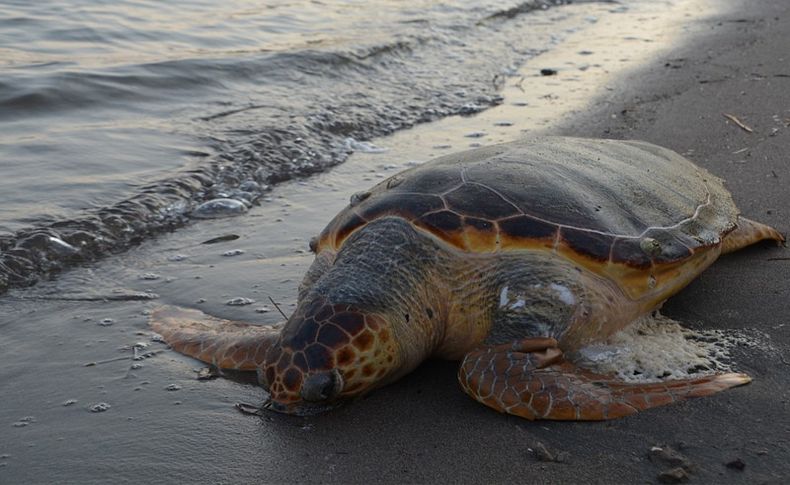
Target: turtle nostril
323	386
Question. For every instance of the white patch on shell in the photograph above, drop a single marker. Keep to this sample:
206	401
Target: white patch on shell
656	348
503	298
565	294
518	304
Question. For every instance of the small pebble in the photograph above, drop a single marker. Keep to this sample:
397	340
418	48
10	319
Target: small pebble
240	301
263	309
106	322
476	134
233	252
227	237
548	72
668	456
736	464
673	475
177	257
149	276
503	123
69	402
100	407
172	387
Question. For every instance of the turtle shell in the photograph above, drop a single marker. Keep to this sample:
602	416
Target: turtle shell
606	202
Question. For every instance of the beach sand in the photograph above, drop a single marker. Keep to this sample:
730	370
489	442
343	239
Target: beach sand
164	425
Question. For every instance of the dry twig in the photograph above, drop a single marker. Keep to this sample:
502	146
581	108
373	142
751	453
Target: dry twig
278	308
738	122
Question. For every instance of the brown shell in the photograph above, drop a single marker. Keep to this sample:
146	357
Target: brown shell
604	201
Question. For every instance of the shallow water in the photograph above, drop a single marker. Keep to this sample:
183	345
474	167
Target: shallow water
117	119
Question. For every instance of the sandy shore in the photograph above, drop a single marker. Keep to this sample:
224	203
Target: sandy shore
163	425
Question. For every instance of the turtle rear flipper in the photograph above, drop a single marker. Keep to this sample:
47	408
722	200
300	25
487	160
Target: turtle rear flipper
222	343
534	383
749	232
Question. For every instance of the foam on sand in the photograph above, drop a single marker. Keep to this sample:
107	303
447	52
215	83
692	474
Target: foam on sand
655	348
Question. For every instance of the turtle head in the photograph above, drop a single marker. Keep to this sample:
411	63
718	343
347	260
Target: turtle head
328	353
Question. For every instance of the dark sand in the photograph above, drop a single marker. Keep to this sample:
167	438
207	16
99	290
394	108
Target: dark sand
423	428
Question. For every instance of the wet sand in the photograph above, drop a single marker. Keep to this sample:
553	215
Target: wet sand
423	428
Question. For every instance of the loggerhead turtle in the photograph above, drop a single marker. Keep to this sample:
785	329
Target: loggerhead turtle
507	257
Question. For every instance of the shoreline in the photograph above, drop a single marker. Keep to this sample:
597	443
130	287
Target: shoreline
422	429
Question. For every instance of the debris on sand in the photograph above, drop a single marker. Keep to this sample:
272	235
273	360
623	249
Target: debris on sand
680	466
738	122
542	453
99	407
207	373
240	301
665	455
673	475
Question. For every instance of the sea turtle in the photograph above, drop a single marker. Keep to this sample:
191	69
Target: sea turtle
507	257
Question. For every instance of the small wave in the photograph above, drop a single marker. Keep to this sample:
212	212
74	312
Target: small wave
268	116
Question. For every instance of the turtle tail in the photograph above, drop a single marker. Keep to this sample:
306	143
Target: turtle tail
222	343
533	381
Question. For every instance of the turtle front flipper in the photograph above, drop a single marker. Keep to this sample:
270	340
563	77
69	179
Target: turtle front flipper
222	343
530	378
